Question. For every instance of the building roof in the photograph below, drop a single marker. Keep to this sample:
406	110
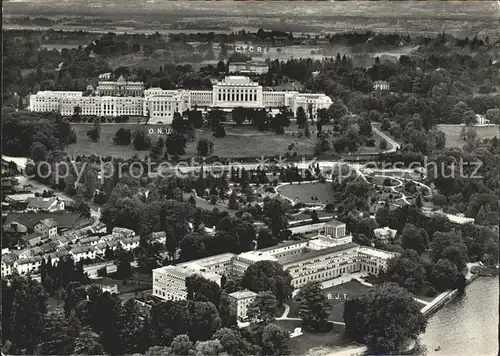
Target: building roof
253	63
37	251
61	254
49	222
308	254
158	235
77	249
237	80
211	260
256	256
20	197
130	240
122	230
243	294
9	258
334	223
32	236
112	243
88	240
49	246
62	239
281	245
104	281
63	219
41	203
306	228
377	253
34	259
101	246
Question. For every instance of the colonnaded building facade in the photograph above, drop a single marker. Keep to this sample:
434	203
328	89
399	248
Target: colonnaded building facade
326	256
131	99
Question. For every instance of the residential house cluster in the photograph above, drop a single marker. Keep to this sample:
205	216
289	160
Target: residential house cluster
59	235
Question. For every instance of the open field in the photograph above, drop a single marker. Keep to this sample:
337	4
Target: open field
453	138
337	296
305	191
239	142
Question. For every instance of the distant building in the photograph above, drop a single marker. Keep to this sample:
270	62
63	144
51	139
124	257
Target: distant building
130	243
239	302
120	88
19	198
481	120
45	204
25	222
384	234
248	67
107	285
105	76
8	185
459	219
83	253
381	85
8	264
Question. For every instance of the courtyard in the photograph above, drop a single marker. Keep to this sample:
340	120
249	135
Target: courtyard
336	295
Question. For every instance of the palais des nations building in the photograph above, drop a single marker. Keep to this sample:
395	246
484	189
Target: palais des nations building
121	97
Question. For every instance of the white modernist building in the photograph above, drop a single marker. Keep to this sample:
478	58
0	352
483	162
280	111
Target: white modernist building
326	256
129	98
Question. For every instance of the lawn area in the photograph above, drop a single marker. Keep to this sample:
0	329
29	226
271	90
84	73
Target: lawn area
305	191
252	143
239	142
318	343
313	343
336	295
453	138
106	146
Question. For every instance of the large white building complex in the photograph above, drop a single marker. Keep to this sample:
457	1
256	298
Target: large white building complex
129	98
326	256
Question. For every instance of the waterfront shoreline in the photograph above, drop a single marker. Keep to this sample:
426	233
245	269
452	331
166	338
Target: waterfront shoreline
428	310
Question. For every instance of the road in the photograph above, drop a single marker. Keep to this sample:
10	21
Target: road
394	145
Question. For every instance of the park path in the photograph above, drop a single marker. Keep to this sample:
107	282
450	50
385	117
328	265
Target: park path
285	313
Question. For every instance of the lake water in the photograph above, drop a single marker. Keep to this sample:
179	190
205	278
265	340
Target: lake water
469	324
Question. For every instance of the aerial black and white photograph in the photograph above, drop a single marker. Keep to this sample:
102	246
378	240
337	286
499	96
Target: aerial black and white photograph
250	178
